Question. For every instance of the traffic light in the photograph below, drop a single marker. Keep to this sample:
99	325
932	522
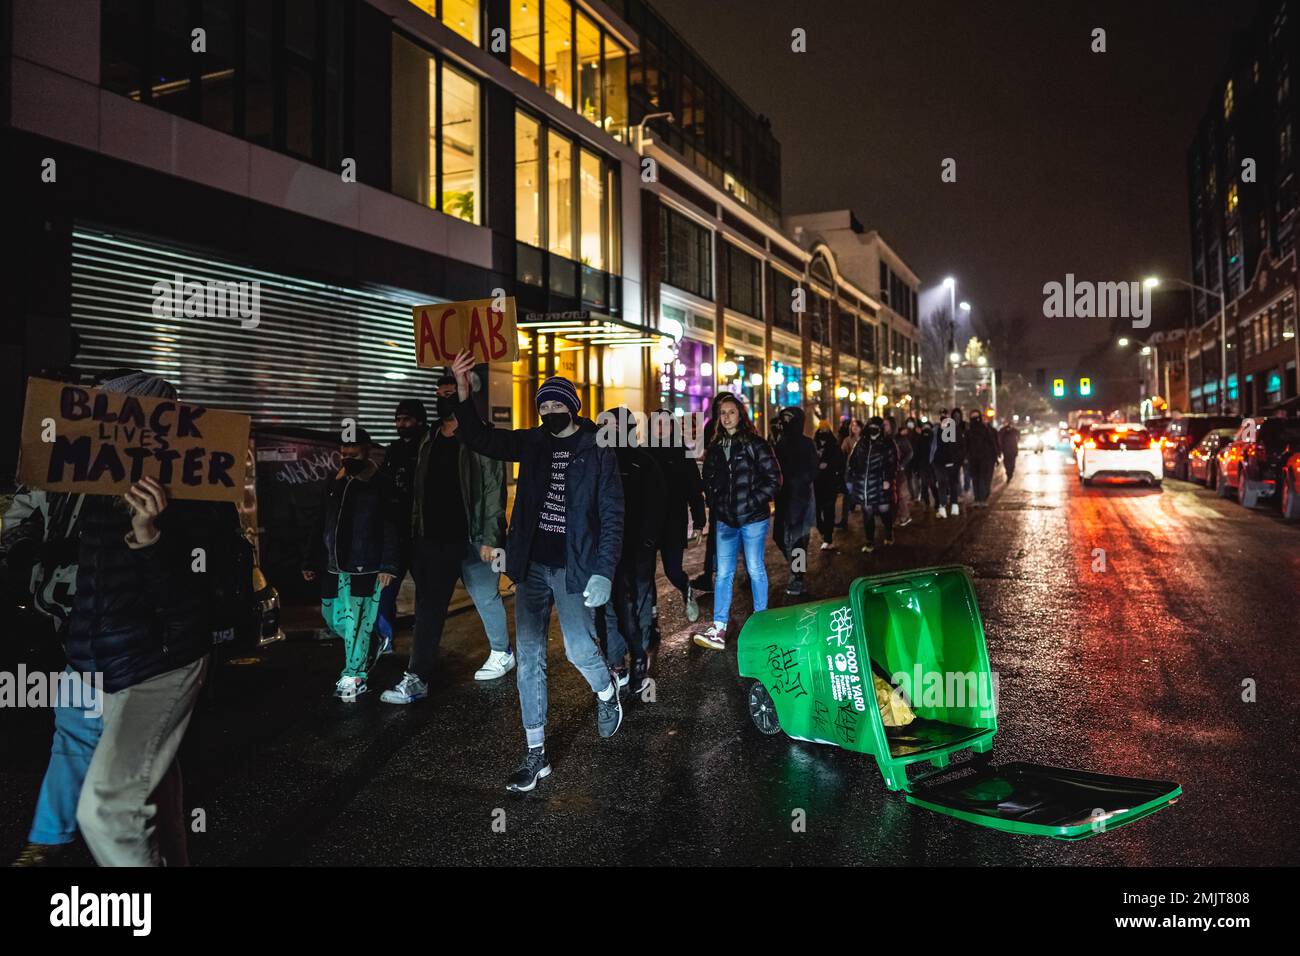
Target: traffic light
1085	386
1058	388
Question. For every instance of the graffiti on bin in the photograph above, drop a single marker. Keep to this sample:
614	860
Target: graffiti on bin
820	716
309	468
846	723
787	676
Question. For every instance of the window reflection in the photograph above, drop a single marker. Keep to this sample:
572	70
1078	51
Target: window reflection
528	186
559	50
559	204
460	141
588	68
590	215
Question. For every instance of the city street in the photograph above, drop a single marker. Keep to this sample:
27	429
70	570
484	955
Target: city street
1136	669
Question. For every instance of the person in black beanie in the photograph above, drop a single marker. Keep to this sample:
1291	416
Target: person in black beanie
412	424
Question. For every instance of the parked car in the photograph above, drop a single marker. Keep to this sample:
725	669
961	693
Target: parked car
1251	466
1291	488
1184	434
1120	451
1202	461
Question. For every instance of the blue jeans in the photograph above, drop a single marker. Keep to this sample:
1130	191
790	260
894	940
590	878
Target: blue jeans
75	738
753	537
542	589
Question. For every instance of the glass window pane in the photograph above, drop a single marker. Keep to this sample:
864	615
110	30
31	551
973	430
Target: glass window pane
525	39
217	66
591	214
299	128
462	16
559	50
169	81
122	48
615	120
460	146
428	6
415	90
528	184
589	68
259	100
559	200
615	223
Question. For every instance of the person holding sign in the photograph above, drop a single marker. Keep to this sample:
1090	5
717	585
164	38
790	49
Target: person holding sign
566	532
152	586
354	552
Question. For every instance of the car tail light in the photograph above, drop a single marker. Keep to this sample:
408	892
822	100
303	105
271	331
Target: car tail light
1090	444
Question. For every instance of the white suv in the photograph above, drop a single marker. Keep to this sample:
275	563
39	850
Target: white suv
1120	451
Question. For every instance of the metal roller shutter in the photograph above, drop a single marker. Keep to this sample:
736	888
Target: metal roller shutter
320	353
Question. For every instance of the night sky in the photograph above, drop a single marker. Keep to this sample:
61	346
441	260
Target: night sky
1067	160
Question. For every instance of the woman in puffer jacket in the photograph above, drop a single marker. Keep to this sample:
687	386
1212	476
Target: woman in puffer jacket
874	469
741	479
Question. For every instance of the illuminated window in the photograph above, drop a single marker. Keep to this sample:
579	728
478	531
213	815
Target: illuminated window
615	121
613	225
588	68
559	50
441	169
461	186
462	16
591	178
526	39
528	185
559	200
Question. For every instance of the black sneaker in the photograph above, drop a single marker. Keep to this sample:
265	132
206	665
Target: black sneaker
702	584
534	767
609	714
795	585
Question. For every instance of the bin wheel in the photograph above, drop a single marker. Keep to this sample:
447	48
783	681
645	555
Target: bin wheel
762	710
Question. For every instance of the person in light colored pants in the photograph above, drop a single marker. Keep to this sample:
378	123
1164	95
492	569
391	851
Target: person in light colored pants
143	728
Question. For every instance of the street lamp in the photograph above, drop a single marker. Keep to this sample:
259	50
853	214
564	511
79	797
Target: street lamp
1151	282
1123	342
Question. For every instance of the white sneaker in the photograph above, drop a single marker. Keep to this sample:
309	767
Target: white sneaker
956	509
498	664
350	688
407	690
714	637
942	512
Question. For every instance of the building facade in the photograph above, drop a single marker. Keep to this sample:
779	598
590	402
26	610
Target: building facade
1243	181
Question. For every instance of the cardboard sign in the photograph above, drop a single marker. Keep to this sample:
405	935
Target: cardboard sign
88	441
443	330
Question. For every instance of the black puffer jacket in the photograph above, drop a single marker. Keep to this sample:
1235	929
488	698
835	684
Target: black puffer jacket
143	612
643	491
828	454
683	492
795	509
740	486
874	462
359	532
981	444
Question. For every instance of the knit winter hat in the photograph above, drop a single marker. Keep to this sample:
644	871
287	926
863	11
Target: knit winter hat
412	407
140	384
557	389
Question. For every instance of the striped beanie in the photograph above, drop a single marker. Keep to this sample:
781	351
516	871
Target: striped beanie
557	389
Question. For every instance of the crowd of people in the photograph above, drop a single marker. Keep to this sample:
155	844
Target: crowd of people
592	520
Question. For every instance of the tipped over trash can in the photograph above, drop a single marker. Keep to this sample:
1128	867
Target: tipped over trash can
899	670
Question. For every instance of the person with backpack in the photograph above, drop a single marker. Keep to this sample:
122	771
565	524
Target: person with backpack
796	510
562	549
741	479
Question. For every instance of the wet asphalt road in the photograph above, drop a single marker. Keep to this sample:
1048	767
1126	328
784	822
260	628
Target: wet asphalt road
1134	670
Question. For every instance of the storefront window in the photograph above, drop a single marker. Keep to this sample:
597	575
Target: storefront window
560	199
526	39
460	141
559	50
528	186
785	385
686	377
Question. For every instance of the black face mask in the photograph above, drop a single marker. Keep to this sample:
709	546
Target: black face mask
446	407
874	432
556	422
354	466
411	433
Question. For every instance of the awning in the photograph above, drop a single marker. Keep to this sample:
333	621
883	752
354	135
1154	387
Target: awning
598	329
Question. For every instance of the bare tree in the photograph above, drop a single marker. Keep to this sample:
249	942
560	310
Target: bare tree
937	334
1004	336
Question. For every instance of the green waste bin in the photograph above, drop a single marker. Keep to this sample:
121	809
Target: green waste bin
921	631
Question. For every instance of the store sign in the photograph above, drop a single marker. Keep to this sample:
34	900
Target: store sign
87	441
484	326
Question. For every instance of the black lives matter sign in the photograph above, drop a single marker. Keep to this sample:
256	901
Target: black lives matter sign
87	441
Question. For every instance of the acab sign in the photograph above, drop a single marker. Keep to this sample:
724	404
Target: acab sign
484	326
